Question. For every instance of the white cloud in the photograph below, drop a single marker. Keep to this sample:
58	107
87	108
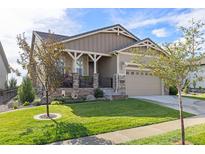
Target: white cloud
143	19
16	21
160	32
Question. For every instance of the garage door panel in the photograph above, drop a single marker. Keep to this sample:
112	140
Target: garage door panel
141	84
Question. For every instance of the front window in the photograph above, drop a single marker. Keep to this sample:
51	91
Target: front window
80	66
61	65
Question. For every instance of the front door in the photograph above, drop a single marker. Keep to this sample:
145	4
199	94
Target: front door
91	68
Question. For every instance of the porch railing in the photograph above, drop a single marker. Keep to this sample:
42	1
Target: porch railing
105	82
85	81
6	95
67	82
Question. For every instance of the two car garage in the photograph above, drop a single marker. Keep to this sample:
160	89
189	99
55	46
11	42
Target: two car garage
142	83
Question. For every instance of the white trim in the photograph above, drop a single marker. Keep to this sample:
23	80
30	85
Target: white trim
118	63
88	52
129	63
137	69
145	43
132	54
109	30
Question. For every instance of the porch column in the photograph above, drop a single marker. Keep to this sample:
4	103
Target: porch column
95	58
75	90
119	83
75	56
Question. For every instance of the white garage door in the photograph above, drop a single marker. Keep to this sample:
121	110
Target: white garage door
141	83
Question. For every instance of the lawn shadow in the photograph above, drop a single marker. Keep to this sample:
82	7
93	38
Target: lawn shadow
56	131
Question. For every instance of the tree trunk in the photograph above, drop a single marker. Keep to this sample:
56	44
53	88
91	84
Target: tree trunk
47	104
181	117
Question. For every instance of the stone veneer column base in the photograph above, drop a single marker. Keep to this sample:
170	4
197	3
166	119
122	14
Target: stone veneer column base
119	84
95	80
75	91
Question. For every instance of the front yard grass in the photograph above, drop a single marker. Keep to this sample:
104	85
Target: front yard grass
194	135
79	120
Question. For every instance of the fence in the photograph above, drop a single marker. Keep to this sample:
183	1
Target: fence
67	82
105	82
86	81
6	95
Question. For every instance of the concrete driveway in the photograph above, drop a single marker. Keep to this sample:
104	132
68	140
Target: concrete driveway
194	106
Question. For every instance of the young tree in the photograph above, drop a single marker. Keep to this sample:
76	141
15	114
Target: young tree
42	61
26	93
180	59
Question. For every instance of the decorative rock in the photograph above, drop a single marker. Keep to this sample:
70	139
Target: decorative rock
90	98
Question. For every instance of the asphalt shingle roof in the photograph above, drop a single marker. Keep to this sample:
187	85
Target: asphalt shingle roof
58	37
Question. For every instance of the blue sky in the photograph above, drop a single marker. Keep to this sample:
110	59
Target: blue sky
95	18
161	25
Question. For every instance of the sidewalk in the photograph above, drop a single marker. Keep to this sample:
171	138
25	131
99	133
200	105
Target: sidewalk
123	136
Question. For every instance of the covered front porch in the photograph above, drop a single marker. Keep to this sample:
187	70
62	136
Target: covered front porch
84	69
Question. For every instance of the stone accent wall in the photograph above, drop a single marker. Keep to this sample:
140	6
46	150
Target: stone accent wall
121	84
69	91
75	80
95	80
75	91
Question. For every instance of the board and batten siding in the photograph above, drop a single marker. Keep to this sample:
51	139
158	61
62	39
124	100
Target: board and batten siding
107	66
101	42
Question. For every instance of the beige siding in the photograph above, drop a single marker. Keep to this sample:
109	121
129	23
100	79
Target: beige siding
3	74
123	58
107	66
101	42
138	82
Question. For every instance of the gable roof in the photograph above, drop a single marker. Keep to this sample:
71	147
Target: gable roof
2	54
64	38
144	42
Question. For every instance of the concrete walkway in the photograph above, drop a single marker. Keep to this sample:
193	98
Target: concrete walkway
193	106
123	136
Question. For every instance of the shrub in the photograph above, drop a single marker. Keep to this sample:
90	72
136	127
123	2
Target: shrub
56	103
15	105
26	103
26	92
98	93
173	90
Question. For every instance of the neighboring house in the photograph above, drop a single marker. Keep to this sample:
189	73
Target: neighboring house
4	68
197	79
102	58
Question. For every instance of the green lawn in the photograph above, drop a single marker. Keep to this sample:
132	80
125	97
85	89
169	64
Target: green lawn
194	135
79	120
197	96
